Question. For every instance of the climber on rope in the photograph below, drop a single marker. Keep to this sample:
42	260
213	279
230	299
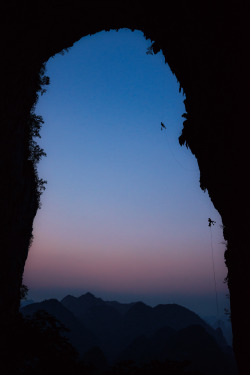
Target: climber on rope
163	126
211	222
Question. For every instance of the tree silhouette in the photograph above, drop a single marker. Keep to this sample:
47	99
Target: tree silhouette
34	125
23	292
35	345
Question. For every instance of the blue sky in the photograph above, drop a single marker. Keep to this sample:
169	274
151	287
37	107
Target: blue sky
123	215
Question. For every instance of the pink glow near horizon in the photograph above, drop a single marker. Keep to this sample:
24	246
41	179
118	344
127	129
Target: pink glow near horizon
121	267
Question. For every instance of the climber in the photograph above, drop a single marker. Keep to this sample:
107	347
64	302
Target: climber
163	126
210	222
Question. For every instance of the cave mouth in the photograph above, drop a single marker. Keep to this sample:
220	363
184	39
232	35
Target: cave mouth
113	139
206	50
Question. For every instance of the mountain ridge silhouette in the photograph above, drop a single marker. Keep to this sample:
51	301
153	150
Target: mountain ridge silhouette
138	332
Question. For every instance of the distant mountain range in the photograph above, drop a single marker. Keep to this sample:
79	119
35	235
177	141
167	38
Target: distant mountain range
136	331
222	322
26	302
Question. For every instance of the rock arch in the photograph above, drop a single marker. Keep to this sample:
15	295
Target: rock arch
204	47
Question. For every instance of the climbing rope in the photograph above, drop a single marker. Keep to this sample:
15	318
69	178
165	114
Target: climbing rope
163	127
210	223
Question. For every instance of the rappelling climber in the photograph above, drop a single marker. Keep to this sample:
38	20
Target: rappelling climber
163	126
211	222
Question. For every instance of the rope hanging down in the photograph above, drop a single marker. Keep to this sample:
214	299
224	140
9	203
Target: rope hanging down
210	223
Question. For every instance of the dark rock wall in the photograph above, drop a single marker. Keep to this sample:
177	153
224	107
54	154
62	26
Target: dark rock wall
204	45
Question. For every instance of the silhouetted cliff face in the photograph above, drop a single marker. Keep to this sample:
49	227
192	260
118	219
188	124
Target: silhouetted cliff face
205	45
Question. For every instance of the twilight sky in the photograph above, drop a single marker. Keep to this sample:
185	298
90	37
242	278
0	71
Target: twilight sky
123	215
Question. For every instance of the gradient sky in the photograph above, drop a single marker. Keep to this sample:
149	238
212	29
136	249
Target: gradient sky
123	215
